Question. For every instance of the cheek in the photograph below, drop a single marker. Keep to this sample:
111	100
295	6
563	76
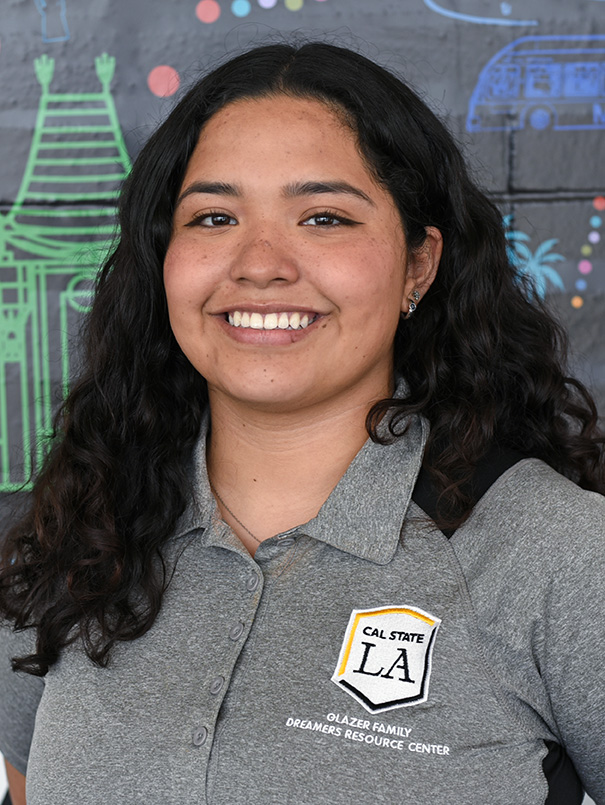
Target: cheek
183	278
377	283
172	274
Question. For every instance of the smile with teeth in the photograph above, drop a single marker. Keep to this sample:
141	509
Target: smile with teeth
270	321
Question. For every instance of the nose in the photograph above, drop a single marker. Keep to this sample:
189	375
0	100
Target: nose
264	259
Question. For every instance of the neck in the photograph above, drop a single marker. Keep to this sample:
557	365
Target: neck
275	471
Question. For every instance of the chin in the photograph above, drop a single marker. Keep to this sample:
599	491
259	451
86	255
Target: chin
266	394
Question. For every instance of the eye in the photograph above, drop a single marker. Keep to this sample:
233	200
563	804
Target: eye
213	220
327	220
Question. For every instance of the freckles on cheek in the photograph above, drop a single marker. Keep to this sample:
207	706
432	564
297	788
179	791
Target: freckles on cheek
187	274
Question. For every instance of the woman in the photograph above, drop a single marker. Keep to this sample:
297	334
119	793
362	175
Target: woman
232	596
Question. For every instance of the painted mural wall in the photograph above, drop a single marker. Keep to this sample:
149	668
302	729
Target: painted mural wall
82	85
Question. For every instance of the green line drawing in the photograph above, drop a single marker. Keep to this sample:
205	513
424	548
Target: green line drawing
51	244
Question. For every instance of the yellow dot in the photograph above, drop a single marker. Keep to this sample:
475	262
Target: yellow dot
577	301
586	250
293	5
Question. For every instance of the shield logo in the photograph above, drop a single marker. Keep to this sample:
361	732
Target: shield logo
385	659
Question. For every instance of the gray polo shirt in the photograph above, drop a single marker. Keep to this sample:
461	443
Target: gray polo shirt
361	656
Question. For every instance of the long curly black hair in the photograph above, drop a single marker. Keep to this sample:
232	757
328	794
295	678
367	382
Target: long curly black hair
484	361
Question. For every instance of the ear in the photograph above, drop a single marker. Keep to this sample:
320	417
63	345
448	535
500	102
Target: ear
422	267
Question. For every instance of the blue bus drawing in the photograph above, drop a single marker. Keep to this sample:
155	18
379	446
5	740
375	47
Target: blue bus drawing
542	82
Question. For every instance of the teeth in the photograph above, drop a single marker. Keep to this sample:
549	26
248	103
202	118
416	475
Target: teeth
271	321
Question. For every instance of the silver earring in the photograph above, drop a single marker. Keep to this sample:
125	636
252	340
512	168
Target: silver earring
412	306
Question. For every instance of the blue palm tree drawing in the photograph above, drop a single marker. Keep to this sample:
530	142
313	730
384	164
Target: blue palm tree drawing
534	266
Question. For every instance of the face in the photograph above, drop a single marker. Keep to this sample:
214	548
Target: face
288	270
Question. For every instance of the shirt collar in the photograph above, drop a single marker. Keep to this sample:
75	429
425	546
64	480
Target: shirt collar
363	515
365	512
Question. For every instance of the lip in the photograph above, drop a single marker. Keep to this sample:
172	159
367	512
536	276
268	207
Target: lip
276	337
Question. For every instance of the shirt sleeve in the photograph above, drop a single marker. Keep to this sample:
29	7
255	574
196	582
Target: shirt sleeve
533	556
20	695
572	662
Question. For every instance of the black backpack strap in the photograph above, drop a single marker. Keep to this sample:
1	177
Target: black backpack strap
493	464
564	785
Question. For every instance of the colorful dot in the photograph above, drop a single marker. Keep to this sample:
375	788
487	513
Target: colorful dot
163	81
208	11
577	301
581	285
595	221
599	203
594	237
241	8
267	3
293	5
586	250
584	266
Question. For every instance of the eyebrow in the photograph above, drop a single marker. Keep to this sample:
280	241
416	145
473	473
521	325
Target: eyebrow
316	188
292	190
210	188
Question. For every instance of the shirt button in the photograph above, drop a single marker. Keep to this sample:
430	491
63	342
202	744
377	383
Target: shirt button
286	542
252	583
217	685
199	736
236	632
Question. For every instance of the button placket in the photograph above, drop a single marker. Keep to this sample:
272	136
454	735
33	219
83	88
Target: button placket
218	686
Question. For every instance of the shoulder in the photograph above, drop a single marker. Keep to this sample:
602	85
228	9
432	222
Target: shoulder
20	695
537	482
534	533
532	556
531	504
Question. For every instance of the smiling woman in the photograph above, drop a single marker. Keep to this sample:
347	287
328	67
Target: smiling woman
314	526
287	259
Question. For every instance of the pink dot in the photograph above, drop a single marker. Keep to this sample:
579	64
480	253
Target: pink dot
584	266
599	203
208	11
163	81
594	237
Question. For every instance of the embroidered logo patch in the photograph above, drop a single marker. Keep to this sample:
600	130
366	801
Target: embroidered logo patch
385	659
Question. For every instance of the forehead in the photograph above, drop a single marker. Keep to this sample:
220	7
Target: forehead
278	131
290	110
